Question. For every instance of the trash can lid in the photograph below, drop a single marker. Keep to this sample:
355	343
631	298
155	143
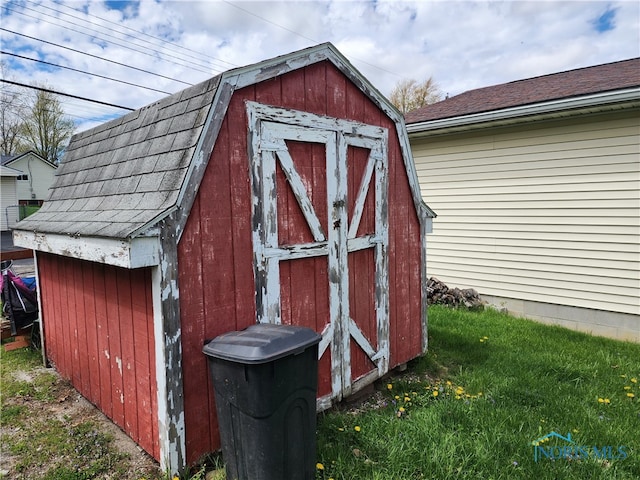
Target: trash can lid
261	343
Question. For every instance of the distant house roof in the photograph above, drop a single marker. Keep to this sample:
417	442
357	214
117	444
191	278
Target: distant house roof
9	159
9	172
581	82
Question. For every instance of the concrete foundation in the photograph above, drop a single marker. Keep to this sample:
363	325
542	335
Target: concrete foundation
621	326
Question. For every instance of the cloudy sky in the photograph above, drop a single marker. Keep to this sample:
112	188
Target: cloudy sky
131	53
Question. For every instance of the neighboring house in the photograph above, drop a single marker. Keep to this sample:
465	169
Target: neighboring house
537	188
36	178
8	197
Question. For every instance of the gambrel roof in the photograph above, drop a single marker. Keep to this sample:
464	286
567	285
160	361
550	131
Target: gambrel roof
573	84
122	175
119	180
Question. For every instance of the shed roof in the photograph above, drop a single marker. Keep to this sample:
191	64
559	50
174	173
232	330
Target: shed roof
570	84
121	176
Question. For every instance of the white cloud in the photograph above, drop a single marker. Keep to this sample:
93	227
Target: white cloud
462	45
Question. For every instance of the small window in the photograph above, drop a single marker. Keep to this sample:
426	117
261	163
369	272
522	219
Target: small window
23	177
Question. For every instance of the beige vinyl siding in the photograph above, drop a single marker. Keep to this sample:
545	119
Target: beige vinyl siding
546	212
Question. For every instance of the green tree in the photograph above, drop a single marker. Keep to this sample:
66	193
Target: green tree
45	128
409	94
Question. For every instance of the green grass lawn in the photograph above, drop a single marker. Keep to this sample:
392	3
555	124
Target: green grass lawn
490	386
472	408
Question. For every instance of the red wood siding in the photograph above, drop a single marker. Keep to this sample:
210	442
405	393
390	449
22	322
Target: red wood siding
215	252
98	328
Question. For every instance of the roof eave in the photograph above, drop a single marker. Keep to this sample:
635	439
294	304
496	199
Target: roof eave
128	253
569	106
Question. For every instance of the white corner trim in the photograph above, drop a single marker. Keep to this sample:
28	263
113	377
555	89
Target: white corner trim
160	367
131	253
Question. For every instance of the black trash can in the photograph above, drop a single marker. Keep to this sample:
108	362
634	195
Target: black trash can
265	380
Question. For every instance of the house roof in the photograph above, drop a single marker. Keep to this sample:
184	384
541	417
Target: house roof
564	85
9	172
117	181
9	159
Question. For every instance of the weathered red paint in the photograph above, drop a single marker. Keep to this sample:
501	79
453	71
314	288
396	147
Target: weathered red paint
99	319
215	252
98	327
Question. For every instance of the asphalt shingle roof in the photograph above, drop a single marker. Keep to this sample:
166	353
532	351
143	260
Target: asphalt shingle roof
572	83
119	177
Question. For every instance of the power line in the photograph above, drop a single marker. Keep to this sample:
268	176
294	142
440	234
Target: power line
301	35
65	94
82	71
124	27
95	56
93	35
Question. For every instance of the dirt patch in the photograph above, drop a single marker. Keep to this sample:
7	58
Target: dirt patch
67	406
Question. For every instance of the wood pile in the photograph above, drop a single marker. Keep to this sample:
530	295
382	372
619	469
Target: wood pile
439	293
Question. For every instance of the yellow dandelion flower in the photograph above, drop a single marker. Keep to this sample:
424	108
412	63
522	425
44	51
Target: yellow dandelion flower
630	395
435	393
401	409
397	397
319	466
449	383
357	428
600	400
407	399
458	397
482	340
575	430
607	401
623	376
627	387
486	338
389	386
634	380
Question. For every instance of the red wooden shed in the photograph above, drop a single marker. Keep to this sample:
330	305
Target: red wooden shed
281	192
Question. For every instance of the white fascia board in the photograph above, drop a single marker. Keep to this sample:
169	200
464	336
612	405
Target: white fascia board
127	253
515	114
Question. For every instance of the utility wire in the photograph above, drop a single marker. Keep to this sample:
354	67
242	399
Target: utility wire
65	94
95	56
82	71
138	32
93	36
249	12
